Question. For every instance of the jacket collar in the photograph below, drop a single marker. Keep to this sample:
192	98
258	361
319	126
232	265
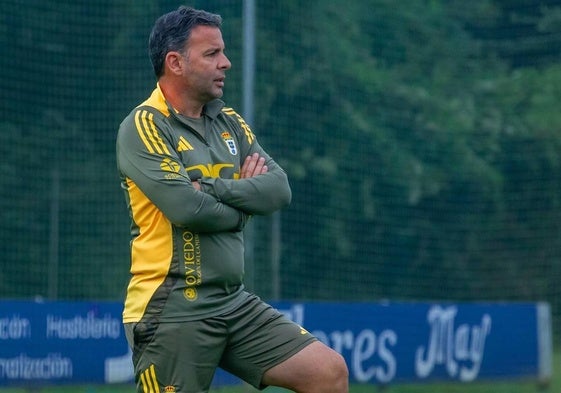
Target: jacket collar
157	100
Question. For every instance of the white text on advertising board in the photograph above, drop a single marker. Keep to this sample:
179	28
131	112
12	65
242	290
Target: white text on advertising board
459	349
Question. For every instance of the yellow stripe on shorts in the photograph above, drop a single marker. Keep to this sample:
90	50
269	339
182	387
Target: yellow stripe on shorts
149	381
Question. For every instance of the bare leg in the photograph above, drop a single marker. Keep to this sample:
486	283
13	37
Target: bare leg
316	368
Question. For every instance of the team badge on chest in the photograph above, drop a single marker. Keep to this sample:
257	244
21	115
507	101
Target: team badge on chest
230	143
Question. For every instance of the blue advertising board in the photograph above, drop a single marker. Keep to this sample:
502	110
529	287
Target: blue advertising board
417	342
62	342
383	343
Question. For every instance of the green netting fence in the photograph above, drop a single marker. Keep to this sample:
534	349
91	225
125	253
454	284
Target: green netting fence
422	140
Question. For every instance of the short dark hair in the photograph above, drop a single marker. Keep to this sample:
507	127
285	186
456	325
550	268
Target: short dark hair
172	30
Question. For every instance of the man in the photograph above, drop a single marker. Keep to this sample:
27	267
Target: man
193	174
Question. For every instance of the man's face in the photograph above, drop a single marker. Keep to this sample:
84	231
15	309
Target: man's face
205	64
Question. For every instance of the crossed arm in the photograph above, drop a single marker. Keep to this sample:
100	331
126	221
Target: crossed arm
210	204
262	186
253	165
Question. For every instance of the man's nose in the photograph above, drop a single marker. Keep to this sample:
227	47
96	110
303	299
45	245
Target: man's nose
225	63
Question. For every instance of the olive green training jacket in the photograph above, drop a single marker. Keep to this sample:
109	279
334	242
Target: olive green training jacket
187	250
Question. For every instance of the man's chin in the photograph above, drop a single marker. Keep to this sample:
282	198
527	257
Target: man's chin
214	95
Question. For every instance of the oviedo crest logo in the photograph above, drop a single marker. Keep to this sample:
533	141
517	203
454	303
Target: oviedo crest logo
169	389
230	143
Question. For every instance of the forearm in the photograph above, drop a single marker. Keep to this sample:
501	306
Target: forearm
259	195
203	213
183	205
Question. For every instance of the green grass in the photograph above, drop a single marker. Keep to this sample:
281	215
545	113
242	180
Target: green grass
504	387
479	387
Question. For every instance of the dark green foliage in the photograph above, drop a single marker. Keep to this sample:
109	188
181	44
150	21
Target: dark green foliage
422	140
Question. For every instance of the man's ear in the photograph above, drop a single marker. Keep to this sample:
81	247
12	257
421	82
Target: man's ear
175	62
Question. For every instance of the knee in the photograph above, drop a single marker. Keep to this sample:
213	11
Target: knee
341	375
335	377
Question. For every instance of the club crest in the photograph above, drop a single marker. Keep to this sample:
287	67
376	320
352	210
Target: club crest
230	143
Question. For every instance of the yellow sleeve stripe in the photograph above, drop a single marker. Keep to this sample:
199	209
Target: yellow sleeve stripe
148	132
243	124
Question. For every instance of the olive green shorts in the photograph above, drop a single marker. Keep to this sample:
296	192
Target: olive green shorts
182	357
